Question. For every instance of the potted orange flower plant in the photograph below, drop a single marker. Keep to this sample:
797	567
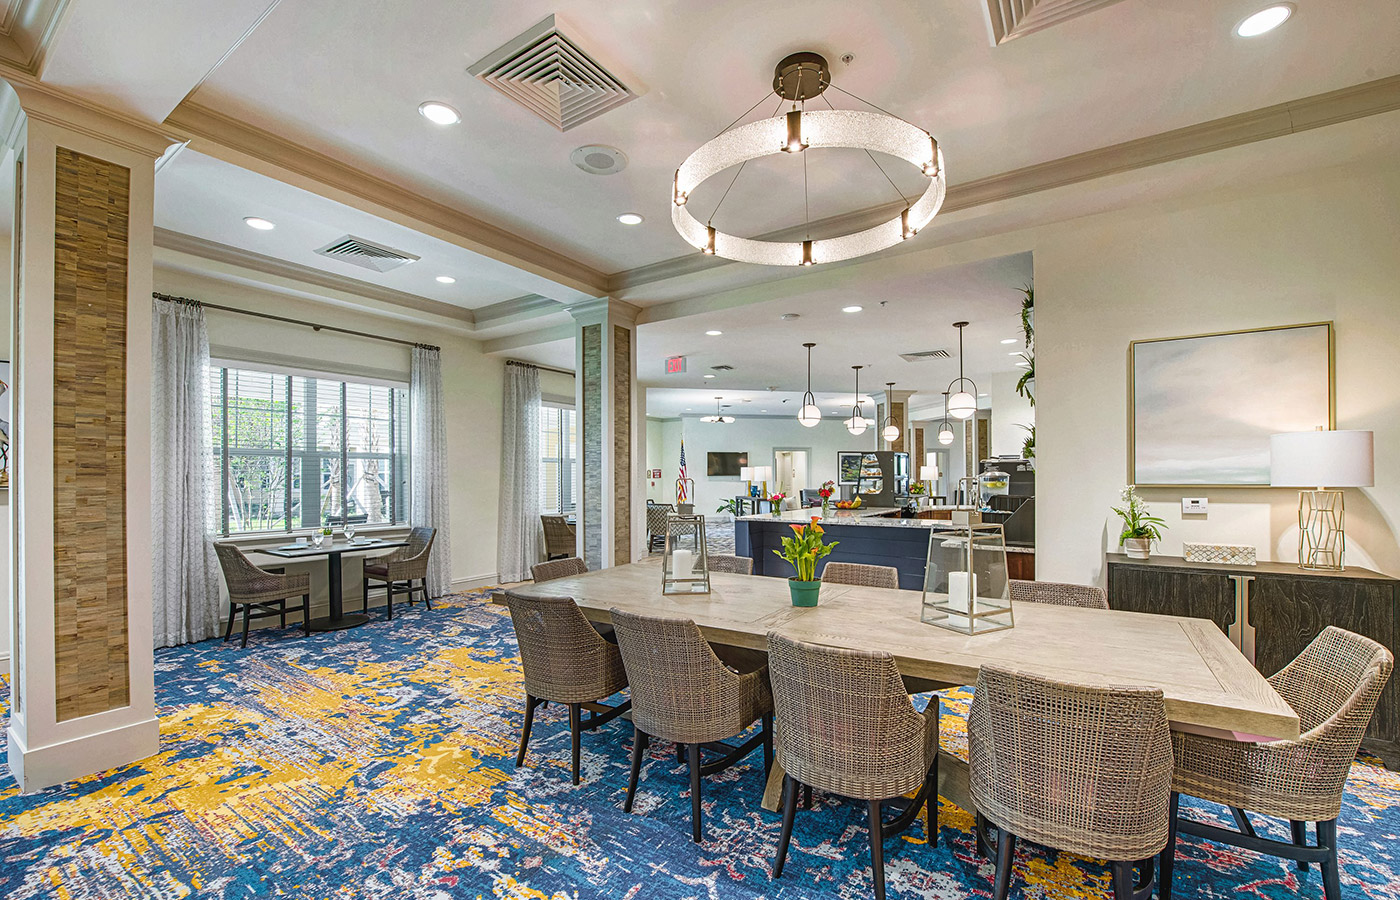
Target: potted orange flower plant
803	551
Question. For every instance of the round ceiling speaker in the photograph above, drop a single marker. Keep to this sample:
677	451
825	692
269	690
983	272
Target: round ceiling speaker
599	159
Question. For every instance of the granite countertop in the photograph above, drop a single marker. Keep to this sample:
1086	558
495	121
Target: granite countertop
870	516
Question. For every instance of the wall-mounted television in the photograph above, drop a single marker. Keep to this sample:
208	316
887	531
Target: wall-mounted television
725	464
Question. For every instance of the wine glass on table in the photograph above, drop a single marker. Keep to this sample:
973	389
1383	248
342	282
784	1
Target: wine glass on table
350	532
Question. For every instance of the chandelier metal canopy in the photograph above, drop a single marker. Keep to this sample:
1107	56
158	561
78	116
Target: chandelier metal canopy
797	79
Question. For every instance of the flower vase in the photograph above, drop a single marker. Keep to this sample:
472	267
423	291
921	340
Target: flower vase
804	593
1137	548
826	509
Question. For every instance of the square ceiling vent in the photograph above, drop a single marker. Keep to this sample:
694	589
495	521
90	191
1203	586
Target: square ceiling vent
366	254
548	73
1010	19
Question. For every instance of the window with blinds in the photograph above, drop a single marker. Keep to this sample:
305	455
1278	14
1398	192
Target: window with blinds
298	453
558	459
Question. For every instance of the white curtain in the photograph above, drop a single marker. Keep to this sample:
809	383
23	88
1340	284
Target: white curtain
184	568
429	469
518	544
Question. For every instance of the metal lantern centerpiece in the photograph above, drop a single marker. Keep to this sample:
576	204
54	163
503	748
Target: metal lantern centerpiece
965	582
685	564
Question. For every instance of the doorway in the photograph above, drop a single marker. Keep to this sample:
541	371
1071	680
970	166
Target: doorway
790	474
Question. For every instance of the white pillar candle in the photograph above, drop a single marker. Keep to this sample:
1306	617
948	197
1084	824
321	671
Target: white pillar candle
961	590
682	563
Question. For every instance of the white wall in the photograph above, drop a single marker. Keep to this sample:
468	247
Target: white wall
472	385
1009	412
1323	247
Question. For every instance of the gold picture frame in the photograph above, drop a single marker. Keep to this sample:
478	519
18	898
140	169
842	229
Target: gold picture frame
1214	398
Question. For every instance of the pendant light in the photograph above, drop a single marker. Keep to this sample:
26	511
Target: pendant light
945	430
719	417
809	415
891	432
963	403
856	423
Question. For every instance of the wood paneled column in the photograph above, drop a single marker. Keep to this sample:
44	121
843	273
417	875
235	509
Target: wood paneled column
611	517
82	683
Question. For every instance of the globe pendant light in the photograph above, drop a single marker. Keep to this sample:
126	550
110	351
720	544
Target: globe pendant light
856	423
719	417
962	404
809	415
891	432
945	430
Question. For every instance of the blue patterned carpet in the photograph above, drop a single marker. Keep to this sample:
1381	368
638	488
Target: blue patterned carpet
378	762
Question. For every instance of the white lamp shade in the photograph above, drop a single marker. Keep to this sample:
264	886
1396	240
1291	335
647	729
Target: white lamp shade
746	473
856	425
962	405
809	415
1318	459
928	473
762	473
931	461
890	434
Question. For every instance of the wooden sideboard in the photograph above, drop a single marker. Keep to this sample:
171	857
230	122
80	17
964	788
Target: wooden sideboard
1271	611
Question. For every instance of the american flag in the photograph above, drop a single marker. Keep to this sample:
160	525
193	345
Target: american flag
682	495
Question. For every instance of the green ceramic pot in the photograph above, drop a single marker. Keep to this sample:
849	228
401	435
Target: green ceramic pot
804	593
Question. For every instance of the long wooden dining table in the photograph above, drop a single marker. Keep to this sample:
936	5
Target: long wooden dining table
1209	686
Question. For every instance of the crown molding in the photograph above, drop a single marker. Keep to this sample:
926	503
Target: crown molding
1347	104
529	339
517	309
21	48
262	151
590	312
45	103
267	265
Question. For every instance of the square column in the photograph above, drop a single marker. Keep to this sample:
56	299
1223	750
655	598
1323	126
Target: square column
611	519
81	672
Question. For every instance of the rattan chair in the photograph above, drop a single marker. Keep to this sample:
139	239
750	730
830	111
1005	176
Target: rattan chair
734	565
861	575
259	593
1058	594
558	568
1081	768
400	569
683	693
564	660
846	726
1333	685
656	525
560	539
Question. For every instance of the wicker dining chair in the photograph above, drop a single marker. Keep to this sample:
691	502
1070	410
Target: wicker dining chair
845	726
734	565
259	593
558	568
656	526
560	539
682	692
564	660
1333	685
1081	768
1056	593
400	569
861	575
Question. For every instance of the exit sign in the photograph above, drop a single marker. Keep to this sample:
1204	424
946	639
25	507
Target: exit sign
675	365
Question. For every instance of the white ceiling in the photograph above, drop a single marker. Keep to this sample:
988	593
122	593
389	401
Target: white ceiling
1125	71
201	196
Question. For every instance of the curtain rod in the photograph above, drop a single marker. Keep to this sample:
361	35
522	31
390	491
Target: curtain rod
530	365
312	325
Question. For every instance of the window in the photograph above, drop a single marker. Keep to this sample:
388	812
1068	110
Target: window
558	461
295	452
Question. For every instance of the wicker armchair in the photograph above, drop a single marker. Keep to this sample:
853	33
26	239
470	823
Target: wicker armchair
734	565
260	593
1081	768
564	660
560	539
558	568
682	692
861	575
400	569
846	726
1333	685
1058	594
656	525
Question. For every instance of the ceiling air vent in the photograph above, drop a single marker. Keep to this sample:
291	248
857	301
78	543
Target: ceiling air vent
547	72
722	368
924	355
366	254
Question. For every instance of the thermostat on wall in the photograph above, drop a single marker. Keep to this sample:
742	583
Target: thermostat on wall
1194	506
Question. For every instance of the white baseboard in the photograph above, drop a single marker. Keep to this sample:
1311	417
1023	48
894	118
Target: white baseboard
475	582
36	768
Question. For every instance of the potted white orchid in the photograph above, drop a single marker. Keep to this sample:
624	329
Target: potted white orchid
1139	528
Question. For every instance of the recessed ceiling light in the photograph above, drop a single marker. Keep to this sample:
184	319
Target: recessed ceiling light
852	308
1009	341
439	113
709	376
1265	20
1014	353
713	333
446	279
259	224
1023	364
630	219
763	410
981	395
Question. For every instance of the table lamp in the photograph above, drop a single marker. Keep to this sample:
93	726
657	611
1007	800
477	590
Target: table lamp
746	476
1324	459
761	474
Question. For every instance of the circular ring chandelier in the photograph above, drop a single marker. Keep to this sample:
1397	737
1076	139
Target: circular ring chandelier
798	78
